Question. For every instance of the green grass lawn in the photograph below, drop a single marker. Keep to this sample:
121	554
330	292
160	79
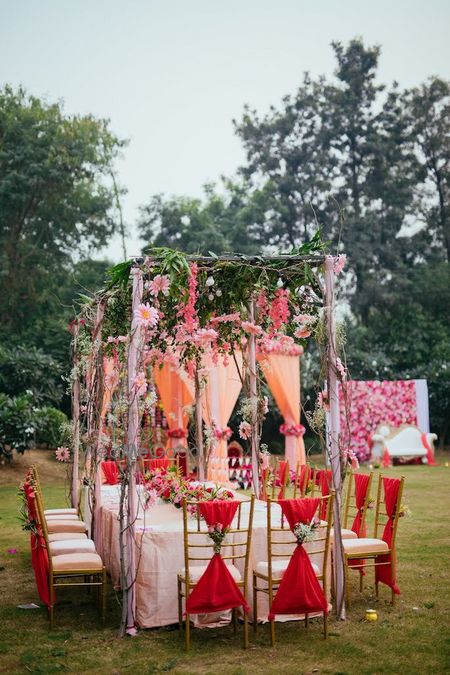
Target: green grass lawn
412	637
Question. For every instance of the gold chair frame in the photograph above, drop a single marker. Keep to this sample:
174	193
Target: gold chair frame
380	521
275	472
272	584
184	583
350	508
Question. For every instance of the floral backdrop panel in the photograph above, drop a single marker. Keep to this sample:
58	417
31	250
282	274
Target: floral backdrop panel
371	403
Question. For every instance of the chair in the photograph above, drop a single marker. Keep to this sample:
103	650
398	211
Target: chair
151	463
281	567
204	570
381	552
82	568
304	474
58	524
280	478
65	511
356	503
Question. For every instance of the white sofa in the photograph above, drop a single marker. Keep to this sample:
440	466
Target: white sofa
402	443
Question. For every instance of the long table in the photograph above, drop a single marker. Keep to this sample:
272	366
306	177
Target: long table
160	556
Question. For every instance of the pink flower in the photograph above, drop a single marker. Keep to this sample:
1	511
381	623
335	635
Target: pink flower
12	551
219	527
146	315
341	369
62	454
339	263
251	328
279	311
160	284
205	336
245	430
302	332
140	383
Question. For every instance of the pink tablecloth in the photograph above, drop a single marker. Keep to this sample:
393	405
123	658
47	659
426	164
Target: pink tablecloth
159	534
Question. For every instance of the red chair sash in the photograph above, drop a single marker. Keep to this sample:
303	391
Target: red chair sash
386	573
216	590
361	484
282	475
324	482
156	463
110	472
39	556
304	476
299	591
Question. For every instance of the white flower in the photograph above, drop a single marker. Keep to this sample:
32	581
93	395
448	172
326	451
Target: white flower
218	292
210	281
210	296
185	220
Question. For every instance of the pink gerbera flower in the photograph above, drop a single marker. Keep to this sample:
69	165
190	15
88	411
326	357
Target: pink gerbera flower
146	315
62	454
245	430
160	284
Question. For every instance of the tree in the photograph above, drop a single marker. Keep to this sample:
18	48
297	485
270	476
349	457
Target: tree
55	201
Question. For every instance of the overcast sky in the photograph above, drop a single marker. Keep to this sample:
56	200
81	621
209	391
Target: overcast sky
172	74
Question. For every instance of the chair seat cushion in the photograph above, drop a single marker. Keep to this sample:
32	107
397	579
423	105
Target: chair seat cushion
195	572
278	568
77	561
60	512
62	516
346	534
63	536
72	546
66	526
366	546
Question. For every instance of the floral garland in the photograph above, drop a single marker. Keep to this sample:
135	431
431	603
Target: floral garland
171	488
292	429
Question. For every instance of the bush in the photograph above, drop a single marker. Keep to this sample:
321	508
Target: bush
22	424
31	370
50	424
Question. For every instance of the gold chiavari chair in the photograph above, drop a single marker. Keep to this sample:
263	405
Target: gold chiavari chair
60	526
280	474
363	550
302	478
280	545
74	568
351	509
198	551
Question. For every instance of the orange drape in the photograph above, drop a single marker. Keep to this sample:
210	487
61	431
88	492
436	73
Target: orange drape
222	389
282	373
176	394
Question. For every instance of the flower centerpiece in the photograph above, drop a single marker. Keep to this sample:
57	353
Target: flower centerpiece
217	533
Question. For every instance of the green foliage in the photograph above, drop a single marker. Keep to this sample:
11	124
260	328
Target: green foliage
51	426
30	369
17	424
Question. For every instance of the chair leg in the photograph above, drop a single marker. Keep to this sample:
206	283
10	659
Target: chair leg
325	625
187	633
347	585
104	588
272	633
180	608
51	609
234	618
361	579
255	605
245	630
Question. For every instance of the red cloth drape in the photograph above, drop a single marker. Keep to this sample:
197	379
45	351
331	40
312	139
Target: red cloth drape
39	555
283	468
110	472
324	483
304	476
300	591
216	590
358	527
429	449
361	484
386	573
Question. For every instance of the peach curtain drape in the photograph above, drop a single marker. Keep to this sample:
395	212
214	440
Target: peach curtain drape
282	373
222	389
176	394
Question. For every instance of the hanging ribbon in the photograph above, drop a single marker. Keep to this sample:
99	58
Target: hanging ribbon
300	591
386	573
216	590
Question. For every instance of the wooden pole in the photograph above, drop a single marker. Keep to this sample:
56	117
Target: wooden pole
132	451
254	402
199	428
75	420
333	437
